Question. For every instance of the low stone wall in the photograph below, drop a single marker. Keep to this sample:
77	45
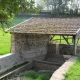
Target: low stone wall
61	49
66	49
9	60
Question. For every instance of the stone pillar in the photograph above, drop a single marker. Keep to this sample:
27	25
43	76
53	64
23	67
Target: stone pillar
57	48
75	45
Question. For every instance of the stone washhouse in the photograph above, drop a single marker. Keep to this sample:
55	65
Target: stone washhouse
31	38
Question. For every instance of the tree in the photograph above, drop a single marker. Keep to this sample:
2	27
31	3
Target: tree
74	6
45	3
58	6
8	8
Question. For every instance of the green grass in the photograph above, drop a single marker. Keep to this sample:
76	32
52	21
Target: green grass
33	75
57	39
5	38
63	41
4	43
74	71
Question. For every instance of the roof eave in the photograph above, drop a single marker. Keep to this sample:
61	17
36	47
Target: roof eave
18	25
44	33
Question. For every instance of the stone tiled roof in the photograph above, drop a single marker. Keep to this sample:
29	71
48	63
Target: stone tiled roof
61	26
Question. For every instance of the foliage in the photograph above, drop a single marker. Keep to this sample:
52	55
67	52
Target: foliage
44	77
60	7
74	71
32	75
10	7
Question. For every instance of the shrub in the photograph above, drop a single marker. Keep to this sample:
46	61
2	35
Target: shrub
32	75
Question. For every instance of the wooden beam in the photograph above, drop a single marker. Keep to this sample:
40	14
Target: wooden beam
51	37
60	38
66	40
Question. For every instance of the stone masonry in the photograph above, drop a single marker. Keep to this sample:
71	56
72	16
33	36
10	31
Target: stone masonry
8	61
61	49
30	46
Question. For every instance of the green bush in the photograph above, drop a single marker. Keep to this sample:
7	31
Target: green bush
32	75
43	77
27	78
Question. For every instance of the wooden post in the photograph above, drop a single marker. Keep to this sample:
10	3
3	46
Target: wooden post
60	38
75	45
66	39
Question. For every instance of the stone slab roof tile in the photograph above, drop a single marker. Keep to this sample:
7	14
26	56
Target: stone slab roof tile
61	26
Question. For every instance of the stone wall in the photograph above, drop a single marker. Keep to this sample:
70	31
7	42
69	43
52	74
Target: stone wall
51	48
24	48
30	46
45	66
61	49
8	61
66	49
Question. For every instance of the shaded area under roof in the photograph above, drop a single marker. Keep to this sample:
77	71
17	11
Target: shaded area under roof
56	26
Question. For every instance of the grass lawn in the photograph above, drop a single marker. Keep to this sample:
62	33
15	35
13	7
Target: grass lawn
74	71
4	43
6	37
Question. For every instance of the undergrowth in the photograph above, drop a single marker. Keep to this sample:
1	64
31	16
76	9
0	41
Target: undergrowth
33	75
